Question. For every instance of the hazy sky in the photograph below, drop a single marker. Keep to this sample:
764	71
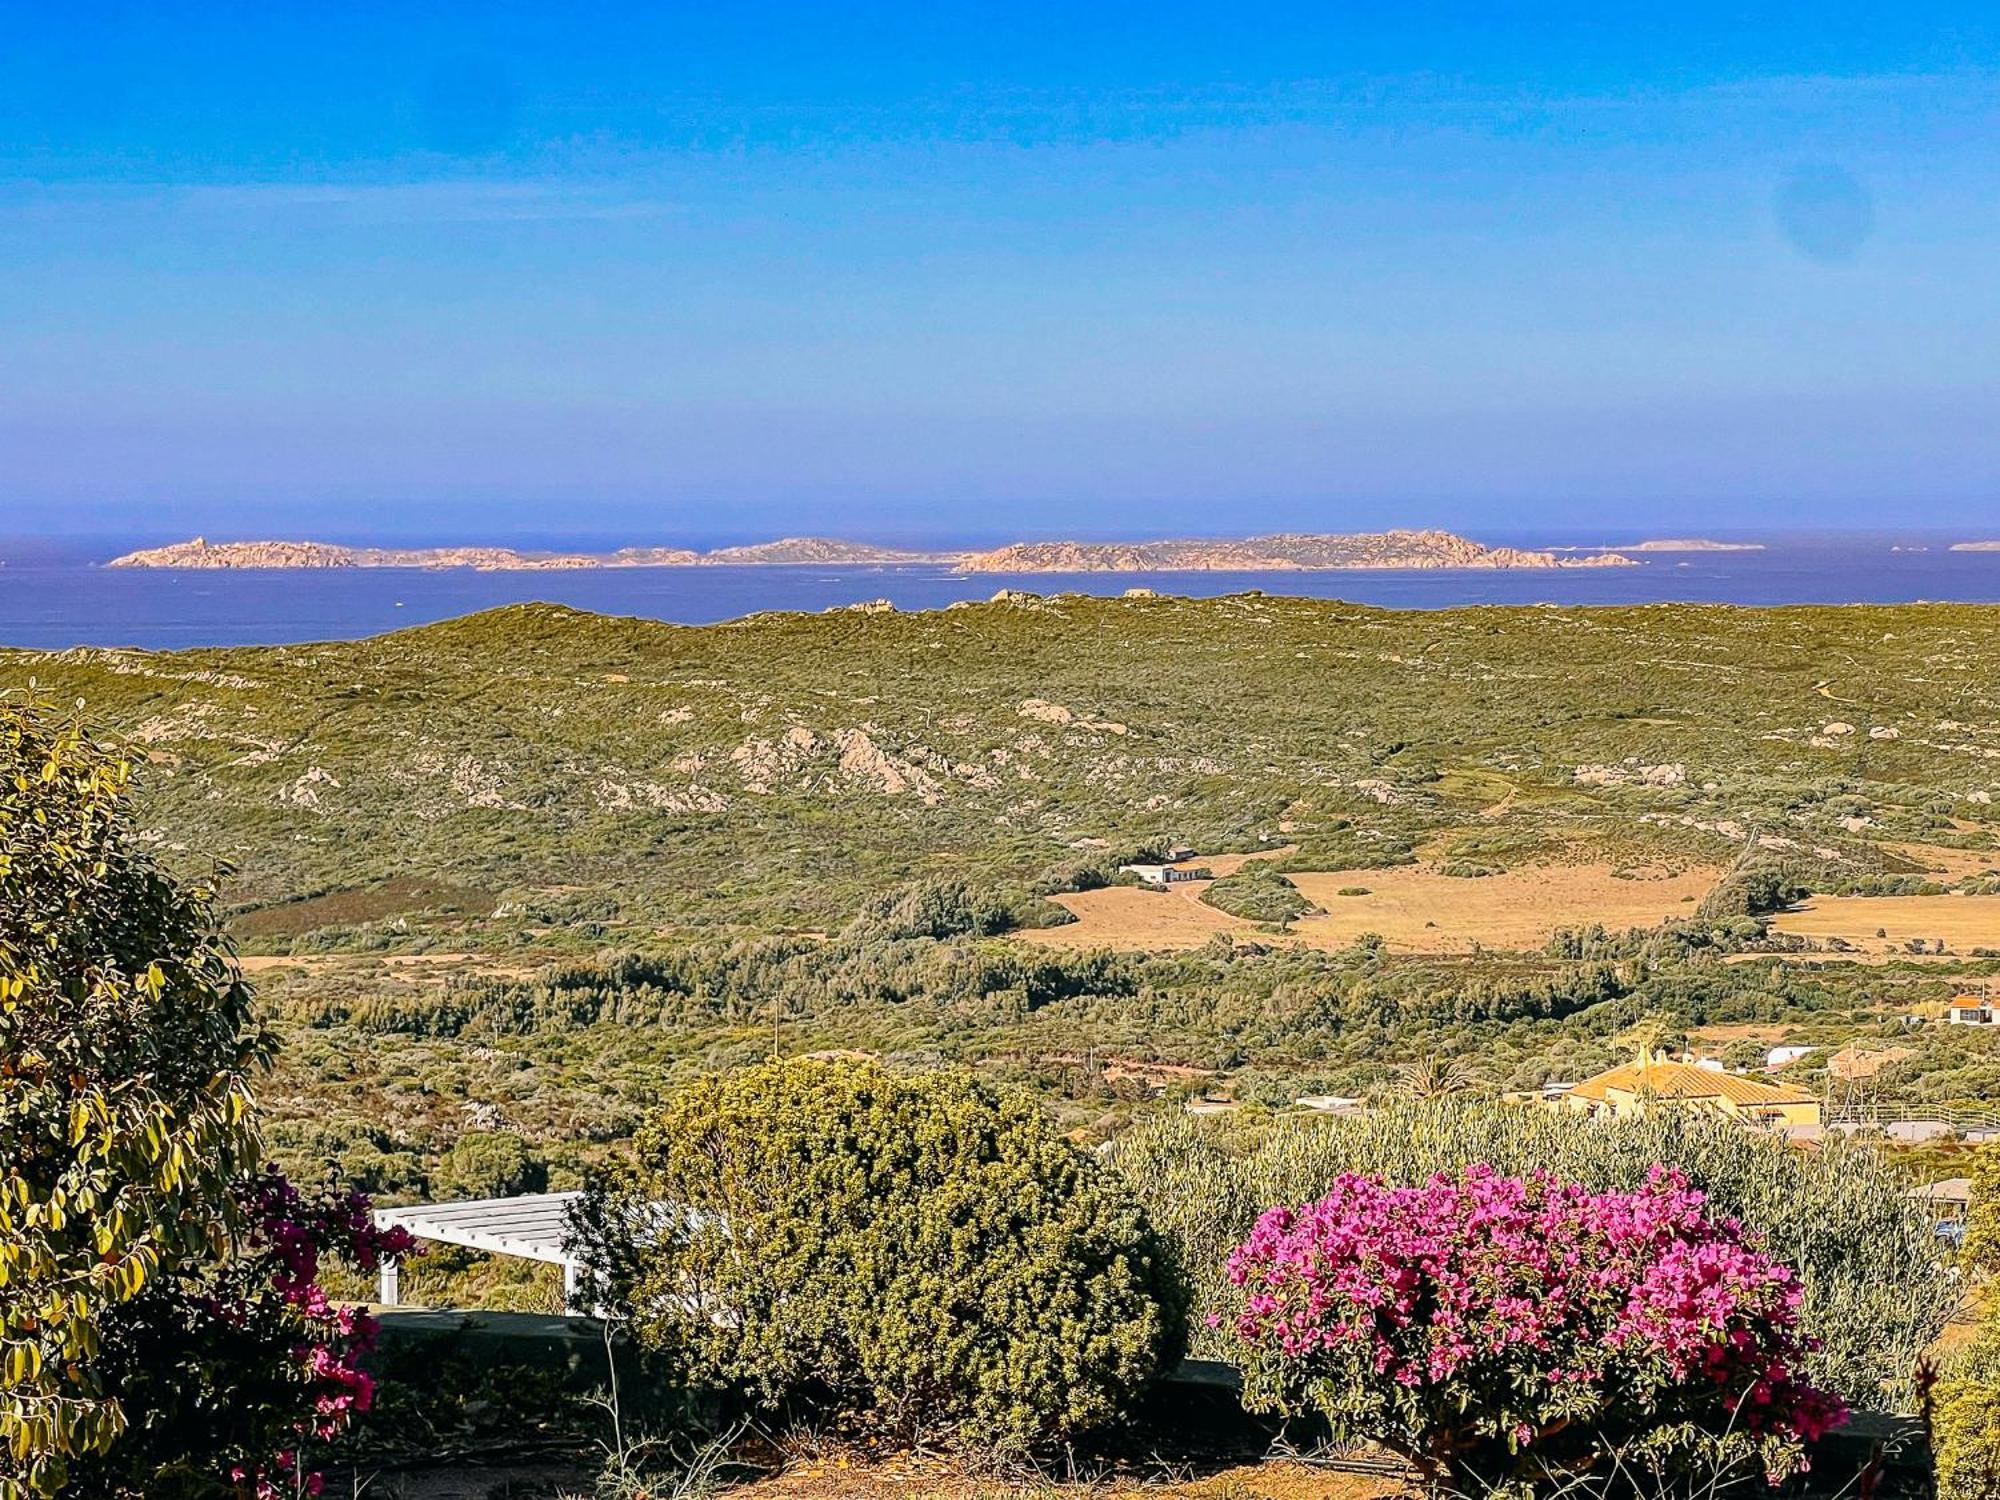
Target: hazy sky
716	269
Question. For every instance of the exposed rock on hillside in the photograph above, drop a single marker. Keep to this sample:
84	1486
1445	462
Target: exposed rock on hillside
1284	552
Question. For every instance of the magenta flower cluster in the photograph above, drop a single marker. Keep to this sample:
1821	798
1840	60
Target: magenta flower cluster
1481	1308
289	1235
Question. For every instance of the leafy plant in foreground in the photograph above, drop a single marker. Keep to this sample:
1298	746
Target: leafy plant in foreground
162	1332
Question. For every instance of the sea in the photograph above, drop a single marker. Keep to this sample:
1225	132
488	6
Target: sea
54	595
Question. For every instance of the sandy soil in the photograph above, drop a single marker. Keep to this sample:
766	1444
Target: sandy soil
1964	922
1413	907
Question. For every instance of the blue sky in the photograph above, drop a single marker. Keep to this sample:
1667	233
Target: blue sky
718	270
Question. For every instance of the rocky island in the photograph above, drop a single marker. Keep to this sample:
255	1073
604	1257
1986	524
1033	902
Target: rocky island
1286	552
1690	544
202	553
819	551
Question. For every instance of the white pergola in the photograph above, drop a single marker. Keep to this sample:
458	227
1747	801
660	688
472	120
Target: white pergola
533	1226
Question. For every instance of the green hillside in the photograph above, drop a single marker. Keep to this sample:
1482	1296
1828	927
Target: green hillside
775	770
532	865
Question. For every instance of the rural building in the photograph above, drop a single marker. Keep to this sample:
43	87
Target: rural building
1329	1104
1653	1078
1160	874
1784	1057
1972	1010
1949	1203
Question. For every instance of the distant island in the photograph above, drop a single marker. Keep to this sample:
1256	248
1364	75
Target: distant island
1291	551
1691	544
1283	552
1975	546
202	553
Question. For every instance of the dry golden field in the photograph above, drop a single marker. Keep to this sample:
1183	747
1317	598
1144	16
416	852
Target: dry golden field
1881	925
1951	864
1414	908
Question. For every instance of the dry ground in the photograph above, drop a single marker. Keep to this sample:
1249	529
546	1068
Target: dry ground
903	1478
1964	922
1414	908
916	1479
433	965
1953	864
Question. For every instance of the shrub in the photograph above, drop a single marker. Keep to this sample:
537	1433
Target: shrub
1965	1423
1258	894
923	1249
1876	1291
1489	1327
933	909
489	1164
230	1377
1469	869
1982	1225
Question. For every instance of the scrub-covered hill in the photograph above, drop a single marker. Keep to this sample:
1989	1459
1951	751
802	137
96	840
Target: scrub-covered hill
777	770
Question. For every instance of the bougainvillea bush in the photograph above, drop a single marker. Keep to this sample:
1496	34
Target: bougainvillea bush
1498	1330
233	1380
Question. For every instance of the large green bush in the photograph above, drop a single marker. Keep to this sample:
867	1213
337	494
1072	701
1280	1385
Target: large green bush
1876	1290
924	1249
1258	893
1966	1422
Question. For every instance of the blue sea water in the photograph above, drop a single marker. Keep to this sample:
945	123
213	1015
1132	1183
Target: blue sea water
51	598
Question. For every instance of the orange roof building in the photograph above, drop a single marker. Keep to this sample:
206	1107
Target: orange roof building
1635	1087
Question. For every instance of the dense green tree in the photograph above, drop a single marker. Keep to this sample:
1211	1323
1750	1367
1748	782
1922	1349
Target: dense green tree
1982	1227
924	1249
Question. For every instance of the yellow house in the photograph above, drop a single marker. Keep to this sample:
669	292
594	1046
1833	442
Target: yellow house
1636	1086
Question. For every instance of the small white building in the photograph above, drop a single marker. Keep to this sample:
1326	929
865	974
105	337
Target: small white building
1784	1057
1159	874
1972	1010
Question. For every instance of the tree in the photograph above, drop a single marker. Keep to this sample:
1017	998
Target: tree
923	1249
132	1194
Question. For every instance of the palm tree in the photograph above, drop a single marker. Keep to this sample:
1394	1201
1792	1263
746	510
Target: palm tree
1435	1077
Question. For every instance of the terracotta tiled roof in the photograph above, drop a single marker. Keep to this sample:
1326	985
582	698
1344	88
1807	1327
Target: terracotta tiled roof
1675	1080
